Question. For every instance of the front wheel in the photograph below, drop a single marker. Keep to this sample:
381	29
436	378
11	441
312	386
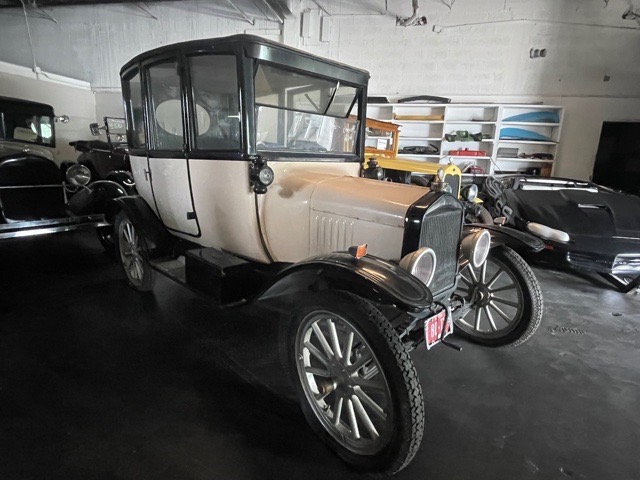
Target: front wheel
356	383
499	304
134	254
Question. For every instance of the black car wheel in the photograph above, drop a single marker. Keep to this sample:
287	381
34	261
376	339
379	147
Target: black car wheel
134	254
477	214
500	303
356	383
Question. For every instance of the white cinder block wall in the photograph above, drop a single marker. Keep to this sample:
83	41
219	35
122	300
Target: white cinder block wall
477	50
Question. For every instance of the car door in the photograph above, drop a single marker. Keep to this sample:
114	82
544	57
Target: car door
169	173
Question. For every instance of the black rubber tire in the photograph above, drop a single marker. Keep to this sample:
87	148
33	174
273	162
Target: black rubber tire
533	308
402	378
420	181
480	215
106	237
146	283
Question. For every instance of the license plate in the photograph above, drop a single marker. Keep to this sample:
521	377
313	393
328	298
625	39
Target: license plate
433	328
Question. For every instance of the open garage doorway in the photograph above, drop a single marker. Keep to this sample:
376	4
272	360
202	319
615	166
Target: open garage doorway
618	158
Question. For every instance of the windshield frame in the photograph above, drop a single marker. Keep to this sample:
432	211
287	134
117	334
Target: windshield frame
301	155
24	108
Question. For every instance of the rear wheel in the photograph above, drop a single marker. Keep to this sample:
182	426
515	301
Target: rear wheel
355	381
500	303
134	254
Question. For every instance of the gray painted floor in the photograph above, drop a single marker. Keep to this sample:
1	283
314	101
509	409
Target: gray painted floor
99	382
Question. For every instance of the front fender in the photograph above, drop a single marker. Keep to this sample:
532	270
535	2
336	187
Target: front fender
369	277
95	197
506	236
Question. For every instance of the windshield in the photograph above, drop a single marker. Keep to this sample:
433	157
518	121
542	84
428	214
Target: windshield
301	113
25	127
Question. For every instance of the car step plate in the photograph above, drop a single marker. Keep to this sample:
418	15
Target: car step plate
433	328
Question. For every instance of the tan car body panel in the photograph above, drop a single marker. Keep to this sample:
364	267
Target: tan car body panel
311	208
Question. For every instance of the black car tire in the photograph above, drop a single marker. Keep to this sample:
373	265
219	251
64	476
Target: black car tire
133	254
106	237
421	181
527	316
478	214
393	382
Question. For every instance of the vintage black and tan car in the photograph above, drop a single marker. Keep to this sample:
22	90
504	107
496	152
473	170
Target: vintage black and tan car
587	226
33	190
246	156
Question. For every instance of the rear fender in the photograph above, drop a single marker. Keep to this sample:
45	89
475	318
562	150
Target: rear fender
506	236
159	241
369	277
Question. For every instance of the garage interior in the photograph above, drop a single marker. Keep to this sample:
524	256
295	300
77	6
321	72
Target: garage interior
99	381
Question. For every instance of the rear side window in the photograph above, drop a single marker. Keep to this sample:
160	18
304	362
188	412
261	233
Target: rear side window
216	101
166	106
133	91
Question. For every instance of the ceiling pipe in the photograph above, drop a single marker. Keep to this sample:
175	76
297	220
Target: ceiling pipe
321	7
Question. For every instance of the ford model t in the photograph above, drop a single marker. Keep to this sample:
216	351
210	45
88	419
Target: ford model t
247	157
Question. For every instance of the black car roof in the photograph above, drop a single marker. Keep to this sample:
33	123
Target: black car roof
263	49
17	104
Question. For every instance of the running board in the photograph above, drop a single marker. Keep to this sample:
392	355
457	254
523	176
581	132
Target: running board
213	273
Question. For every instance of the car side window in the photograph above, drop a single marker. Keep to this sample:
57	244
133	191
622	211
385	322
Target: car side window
133	89
216	100
166	106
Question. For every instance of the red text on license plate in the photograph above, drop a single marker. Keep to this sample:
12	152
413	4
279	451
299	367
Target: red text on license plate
433	328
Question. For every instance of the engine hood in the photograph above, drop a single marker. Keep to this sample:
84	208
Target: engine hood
383	203
10	148
597	211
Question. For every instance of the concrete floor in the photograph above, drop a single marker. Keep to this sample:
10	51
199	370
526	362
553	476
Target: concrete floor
100	382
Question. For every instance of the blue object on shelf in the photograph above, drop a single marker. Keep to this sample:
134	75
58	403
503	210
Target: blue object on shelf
544	116
522	134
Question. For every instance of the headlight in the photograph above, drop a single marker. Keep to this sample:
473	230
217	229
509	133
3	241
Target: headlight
470	192
475	247
421	264
548	233
78	175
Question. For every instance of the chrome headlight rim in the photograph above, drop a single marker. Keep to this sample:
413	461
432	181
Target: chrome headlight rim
78	175
470	192
475	247
413	261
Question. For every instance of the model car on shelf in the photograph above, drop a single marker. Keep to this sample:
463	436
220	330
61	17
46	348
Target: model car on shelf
588	226
36	197
246	156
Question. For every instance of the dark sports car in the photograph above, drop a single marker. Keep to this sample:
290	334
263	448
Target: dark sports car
592	228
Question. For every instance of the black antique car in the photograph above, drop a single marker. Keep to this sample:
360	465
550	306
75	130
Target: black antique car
590	227
36	196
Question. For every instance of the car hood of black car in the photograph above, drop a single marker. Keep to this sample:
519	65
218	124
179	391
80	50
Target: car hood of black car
10	148
581	211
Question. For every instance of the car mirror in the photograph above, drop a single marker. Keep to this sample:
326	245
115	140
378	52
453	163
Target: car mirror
95	129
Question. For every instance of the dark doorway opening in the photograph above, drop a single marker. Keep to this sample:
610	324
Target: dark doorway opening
618	158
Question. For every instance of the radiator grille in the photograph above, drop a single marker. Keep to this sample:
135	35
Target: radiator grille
441	227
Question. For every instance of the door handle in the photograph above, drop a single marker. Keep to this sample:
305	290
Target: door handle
147	174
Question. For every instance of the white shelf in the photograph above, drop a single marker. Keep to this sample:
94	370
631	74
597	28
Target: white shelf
469	122
424	155
460	116
400	122
430	139
529	142
532	124
537	160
